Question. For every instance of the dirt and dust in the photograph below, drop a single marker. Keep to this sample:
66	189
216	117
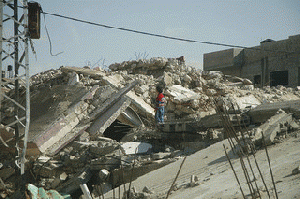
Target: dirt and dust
216	178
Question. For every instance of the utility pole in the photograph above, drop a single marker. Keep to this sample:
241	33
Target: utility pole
14	38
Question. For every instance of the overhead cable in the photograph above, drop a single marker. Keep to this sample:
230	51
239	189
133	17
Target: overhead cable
159	35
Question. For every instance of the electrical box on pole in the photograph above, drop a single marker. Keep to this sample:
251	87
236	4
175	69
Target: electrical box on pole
34	19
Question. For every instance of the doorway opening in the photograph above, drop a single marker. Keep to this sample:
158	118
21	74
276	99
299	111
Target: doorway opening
279	78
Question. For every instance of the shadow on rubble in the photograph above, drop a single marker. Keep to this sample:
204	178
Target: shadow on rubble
232	155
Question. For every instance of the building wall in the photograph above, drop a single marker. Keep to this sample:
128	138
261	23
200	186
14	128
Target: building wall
260	60
220	59
281	55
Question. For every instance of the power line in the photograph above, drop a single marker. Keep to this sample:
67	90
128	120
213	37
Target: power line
162	36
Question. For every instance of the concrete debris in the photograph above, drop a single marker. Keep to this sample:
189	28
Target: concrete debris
130	148
272	127
194	181
93	129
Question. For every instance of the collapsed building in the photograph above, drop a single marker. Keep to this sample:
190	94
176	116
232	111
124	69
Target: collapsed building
89	126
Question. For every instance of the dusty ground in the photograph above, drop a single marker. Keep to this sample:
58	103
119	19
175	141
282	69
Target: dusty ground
216	179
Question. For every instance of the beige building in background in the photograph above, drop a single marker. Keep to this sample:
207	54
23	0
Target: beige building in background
271	63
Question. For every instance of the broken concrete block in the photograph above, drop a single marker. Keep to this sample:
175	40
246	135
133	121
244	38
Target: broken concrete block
180	94
293	125
218	135
63	176
167	79
207	75
84	137
272	127
130	148
74	79
194	181
187	79
73	184
244	101
125	175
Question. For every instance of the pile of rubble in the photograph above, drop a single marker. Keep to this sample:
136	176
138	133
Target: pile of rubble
93	130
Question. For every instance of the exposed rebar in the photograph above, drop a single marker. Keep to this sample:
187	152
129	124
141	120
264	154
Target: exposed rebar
169	192
236	177
263	138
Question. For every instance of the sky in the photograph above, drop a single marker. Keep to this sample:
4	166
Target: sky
234	22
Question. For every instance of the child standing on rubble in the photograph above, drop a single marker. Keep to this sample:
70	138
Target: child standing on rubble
160	106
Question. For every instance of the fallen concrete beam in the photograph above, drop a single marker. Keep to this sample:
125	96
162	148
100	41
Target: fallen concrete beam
263	112
111	101
108	117
272	127
105	115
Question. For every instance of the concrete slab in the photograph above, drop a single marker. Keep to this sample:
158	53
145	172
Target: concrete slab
181	94
263	112
138	103
248	100
49	128
108	116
